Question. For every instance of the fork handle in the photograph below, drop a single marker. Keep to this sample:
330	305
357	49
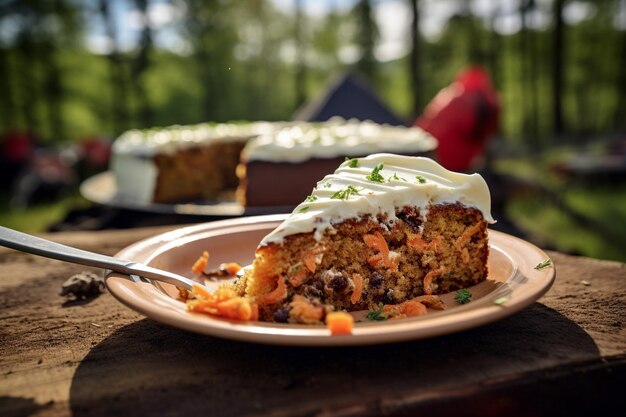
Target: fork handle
42	247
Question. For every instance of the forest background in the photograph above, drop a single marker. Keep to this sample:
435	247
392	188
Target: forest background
72	69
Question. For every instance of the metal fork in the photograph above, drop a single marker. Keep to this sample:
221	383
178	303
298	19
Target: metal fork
42	247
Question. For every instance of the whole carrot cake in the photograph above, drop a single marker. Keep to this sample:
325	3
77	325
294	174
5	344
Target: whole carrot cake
382	230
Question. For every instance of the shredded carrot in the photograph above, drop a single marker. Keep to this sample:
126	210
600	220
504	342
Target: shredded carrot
236	308
302	311
410	308
431	301
377	242
462	240
358	288
428	279
298	278
224	302
339	323
202	306
231	267
274	296
202	292
416	242
309	261
200	263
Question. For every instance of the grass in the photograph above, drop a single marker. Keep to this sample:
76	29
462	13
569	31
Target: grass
37	218
579	217
603	236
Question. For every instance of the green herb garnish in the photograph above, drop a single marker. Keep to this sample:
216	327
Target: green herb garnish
345	193
420	179
354	162
463	297
395	177
327	185
375	175
544	264
304	209
376	314
310	198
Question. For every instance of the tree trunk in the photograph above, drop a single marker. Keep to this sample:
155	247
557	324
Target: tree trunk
119	102
414	61
141	65
367	34
620	109
558	54
300	76
7	104
53	90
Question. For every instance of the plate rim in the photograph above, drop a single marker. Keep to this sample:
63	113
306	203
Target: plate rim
137	295
88	190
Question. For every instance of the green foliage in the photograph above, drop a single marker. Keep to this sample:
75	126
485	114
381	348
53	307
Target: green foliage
246	63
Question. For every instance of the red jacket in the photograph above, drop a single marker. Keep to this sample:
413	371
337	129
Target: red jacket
462	117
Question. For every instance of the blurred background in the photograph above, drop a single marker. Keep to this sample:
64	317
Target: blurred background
75	74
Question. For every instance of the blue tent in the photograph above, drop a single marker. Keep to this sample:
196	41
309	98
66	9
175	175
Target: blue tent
350	97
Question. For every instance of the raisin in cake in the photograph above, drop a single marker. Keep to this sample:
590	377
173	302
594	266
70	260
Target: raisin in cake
382	229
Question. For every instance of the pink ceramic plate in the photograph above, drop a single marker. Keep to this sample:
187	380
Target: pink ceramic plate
512	285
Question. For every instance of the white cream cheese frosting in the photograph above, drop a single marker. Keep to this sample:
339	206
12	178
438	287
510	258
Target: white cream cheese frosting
380	184
336	137
148	142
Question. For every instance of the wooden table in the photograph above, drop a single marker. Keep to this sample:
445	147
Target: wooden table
564	355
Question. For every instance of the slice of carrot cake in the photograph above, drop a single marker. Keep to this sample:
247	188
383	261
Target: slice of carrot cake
384	229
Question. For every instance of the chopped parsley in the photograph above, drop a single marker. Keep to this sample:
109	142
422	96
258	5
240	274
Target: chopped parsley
395	177
354	162
463	296
375	175
345	193
420	179
304	209
327	185
377	314
310	198
544	264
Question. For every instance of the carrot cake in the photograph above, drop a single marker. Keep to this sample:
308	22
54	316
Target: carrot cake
269	163
280	167
178	163
382	230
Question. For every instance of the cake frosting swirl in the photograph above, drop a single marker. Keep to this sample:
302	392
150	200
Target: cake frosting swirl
381	183
148	142
336	137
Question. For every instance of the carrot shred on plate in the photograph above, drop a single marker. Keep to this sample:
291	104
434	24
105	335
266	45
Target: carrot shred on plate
231	267
410	308
224	302
339	323
201	263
